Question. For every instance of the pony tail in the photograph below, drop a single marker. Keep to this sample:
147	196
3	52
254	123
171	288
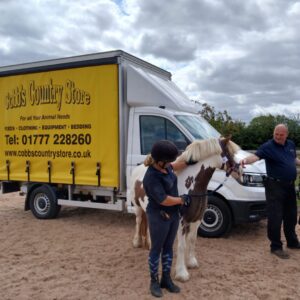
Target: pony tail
149	161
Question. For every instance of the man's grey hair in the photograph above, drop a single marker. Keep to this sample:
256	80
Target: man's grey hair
282	125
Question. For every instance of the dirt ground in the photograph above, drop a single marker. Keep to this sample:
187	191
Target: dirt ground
87	254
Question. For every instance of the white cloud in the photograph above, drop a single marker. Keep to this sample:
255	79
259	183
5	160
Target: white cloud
294	10
242	56
281	109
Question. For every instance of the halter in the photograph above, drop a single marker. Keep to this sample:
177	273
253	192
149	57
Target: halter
232	167
226	159
217	188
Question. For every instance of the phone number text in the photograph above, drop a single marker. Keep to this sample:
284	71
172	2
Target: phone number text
46	139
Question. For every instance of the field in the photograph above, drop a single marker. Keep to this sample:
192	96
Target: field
87	254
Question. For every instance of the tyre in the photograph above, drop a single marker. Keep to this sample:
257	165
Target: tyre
217	219
43	203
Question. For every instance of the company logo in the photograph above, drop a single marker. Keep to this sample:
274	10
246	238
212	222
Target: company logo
16	98
47	94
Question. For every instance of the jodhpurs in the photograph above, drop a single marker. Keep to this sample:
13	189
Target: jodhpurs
162	233
281	208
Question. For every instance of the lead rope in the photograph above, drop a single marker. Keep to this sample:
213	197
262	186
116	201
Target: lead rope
219	186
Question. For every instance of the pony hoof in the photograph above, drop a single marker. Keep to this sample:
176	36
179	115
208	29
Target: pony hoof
136	244
182	277
193	264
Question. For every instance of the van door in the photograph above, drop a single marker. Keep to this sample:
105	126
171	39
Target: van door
148	129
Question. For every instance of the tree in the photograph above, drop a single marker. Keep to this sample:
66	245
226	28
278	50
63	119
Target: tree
259	130
223	122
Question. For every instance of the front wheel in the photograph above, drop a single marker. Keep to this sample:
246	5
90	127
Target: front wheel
43	203
217	219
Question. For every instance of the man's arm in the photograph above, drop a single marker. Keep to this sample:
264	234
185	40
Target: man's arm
297	161
249	160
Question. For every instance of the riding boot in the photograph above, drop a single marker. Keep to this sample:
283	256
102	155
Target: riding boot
167	283
154	287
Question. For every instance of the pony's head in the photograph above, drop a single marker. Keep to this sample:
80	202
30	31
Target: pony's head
222	149
229	149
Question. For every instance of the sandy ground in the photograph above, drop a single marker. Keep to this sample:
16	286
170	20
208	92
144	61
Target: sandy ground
87	254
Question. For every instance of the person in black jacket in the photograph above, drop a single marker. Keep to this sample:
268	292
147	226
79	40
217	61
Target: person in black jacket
280	156
160	185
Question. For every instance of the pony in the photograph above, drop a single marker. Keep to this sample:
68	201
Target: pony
207	155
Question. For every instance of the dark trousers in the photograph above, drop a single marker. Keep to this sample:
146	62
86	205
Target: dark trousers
281	208
162	233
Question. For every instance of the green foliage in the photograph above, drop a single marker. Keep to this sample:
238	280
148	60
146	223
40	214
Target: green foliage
251	136
221	121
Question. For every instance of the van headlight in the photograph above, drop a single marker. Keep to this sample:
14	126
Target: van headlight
253	179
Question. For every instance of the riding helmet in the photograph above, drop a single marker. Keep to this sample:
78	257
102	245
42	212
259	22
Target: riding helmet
164	151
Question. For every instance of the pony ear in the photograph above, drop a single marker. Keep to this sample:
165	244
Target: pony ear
226	139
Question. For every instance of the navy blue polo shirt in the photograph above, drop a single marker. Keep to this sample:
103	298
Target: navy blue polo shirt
280	159
158	186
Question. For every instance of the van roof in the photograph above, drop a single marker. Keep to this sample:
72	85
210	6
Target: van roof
101	58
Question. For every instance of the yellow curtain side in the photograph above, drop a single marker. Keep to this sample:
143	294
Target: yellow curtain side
60	126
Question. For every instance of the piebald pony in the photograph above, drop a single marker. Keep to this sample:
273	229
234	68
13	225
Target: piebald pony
209	155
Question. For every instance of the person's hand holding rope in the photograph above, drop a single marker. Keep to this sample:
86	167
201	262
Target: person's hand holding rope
186	202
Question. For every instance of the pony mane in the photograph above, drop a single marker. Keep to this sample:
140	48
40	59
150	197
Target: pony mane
233	148
201	149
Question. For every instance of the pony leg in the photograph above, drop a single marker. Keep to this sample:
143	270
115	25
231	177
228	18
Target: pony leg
137	239
191	241
181	272
148	240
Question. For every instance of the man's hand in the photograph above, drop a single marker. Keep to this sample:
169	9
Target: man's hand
243	162
249	160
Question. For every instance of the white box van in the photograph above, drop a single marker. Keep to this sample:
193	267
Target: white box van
74	128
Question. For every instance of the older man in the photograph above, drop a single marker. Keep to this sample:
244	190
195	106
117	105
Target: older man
281	160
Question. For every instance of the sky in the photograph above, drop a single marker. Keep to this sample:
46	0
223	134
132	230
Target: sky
234	55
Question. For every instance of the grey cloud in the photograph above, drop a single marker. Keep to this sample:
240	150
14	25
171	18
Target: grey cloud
211	23
268	74
247	15
19	20
271	68
168	45
47	29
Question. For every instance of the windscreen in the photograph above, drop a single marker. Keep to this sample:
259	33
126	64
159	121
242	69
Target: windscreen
198	127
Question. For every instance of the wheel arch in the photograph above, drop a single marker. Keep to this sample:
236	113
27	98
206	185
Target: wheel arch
31	188
218	202
227	203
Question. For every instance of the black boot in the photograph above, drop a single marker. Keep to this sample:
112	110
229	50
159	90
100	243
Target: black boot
167	283
155	287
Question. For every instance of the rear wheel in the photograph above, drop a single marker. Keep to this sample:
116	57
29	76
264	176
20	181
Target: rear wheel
217	219
43	203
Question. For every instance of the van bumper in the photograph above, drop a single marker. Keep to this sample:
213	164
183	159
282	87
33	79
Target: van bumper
248	211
